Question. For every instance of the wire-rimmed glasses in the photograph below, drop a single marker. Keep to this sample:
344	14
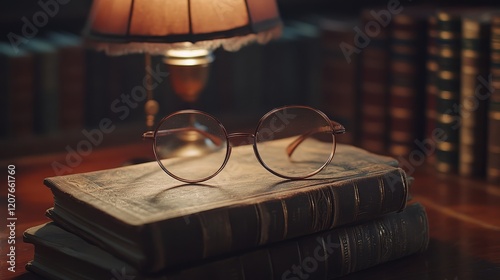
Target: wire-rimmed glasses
193	146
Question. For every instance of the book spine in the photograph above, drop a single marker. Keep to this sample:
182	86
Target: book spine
96	81
493	163
325	255
46	93
4	95
221	89
473	105
221	231
407	83
448	98
21	94
247	81
309	52
72	87
374	90
431	89
340	78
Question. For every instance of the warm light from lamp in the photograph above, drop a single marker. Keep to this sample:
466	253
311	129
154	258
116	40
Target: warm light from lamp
185	32
187	57
155	26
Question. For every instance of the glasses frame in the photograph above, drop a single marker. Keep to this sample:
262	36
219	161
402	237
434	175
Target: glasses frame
334	127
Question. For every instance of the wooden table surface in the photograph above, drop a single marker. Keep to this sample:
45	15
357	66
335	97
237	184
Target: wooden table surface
464	218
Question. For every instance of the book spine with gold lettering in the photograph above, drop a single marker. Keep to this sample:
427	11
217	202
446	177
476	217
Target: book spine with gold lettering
407	85
475	54
431	89
493	148
448	96
374	89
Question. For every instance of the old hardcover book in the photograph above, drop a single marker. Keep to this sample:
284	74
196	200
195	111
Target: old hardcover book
97	75
407	85
374	89
152	221
340	52
17	90
71	78
431	89
46	95
475	68
325	255
493	163
448	81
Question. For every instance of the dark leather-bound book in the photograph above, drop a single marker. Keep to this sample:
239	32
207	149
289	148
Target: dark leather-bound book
17	90
449	28
493	165
325	255
71	78
474	93
431	89
143	216
374	89
46	92
407	83
340	65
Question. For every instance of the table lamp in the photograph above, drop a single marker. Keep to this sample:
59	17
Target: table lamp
185	32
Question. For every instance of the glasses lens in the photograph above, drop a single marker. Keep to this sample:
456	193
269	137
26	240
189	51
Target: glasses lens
191	146
288	138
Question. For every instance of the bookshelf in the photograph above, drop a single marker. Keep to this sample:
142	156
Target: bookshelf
303	67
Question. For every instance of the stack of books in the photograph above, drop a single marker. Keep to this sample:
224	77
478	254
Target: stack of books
136	222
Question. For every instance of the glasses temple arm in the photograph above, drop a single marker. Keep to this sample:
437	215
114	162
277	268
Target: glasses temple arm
151	134
337	129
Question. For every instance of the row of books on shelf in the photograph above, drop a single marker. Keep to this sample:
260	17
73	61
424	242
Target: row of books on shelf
137	222
419	84
402	83
52	83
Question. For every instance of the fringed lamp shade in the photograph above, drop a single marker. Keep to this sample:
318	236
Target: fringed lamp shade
155	26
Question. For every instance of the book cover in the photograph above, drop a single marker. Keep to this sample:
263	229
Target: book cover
152	221
325	255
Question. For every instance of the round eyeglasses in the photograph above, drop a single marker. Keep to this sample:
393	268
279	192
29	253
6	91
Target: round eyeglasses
193	146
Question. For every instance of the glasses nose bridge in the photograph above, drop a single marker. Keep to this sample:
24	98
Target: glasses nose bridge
249	137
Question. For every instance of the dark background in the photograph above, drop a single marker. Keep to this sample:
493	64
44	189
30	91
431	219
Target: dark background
238	106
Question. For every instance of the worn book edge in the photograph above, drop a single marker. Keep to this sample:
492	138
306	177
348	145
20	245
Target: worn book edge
60	254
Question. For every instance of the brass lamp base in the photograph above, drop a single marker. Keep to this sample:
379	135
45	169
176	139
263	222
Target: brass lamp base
189	71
